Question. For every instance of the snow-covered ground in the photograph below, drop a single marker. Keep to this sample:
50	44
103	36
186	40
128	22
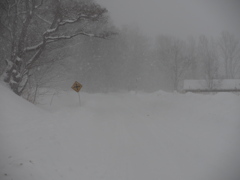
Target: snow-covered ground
120	136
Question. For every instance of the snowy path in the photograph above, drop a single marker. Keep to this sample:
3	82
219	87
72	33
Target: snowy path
122	137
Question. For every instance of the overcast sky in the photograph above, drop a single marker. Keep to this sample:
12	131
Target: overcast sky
181	18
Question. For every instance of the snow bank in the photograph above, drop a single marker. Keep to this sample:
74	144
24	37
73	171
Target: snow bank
120	136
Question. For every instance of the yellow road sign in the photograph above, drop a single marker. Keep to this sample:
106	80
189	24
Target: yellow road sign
76	86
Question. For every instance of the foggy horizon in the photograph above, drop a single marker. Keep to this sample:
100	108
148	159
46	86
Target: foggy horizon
181	19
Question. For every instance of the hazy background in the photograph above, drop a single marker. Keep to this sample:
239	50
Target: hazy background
157	44
181	18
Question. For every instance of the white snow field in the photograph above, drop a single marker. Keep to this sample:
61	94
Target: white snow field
120	136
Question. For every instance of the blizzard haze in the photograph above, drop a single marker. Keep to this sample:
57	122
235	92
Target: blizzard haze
181	18
134	118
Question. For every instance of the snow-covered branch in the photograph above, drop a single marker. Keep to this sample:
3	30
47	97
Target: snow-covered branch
55	38
46	21
34	58
51	30
32	48
71	21
40	4
80	17
51	39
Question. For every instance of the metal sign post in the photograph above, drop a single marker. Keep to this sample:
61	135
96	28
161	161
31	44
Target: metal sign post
79	99
76	87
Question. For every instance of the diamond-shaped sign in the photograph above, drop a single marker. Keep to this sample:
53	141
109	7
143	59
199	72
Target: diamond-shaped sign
76	86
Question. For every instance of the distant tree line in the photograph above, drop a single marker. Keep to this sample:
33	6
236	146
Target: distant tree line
51	43
129	61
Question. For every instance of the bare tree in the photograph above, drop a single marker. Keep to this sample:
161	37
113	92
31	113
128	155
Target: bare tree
32	26
207	55
230	51
133	59
172	54
191	53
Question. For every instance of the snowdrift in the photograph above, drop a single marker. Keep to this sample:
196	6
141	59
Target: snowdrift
120	136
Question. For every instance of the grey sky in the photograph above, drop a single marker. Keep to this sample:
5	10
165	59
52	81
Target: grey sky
177	17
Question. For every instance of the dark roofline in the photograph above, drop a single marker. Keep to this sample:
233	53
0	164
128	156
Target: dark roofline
212	90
